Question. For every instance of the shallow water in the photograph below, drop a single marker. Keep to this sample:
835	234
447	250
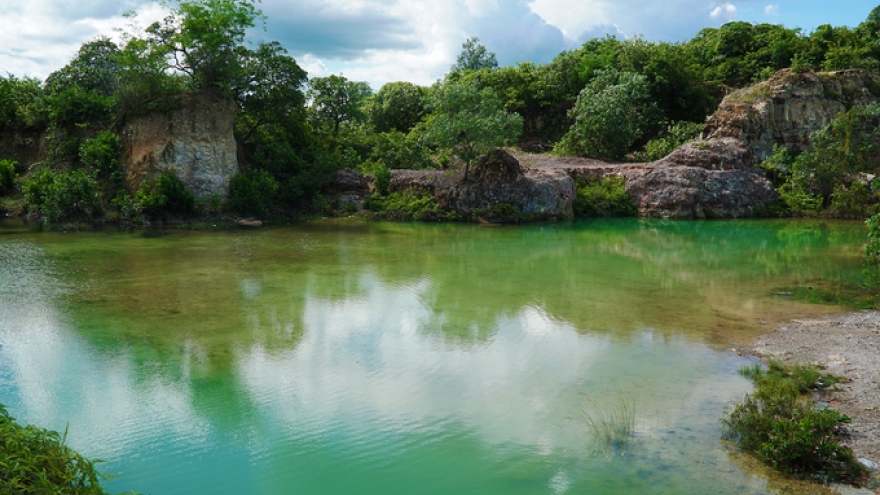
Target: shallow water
341	357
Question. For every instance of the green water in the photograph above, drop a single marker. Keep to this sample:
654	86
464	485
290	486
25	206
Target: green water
342	357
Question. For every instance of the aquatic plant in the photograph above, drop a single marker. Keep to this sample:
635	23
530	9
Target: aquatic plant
784	426
612	426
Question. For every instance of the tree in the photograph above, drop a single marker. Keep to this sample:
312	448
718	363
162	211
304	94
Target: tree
474	56
397	106
611	114
95	69
16	95
471	121
204	39
271	90
335	99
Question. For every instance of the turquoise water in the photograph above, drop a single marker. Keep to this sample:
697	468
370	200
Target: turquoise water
346	357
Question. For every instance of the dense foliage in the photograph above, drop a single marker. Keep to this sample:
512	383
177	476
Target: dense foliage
610	98
781	424
35	461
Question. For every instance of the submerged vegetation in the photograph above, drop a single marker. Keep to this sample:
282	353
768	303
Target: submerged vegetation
610	99
35	461
783	425
612	426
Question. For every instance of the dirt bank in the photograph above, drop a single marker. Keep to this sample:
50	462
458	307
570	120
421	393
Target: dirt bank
846	344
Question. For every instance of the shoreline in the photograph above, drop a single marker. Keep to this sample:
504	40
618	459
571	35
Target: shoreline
845	344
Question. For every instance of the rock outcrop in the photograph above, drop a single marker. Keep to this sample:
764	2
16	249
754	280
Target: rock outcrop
496	180
351	187
787	108
195	141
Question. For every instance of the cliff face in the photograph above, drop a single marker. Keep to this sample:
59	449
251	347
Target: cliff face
787	108
195	141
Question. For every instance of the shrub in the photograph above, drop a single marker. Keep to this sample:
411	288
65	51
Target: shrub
786	428
166	196
405	206
7	177
611	114
381	178
603	197
872	250
61	196
854	202
253	194
36	461
673	136
101	153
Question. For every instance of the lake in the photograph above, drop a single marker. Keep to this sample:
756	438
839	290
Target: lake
340	356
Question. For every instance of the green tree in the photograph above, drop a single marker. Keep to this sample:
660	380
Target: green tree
470	121
611	114
397	106
16	97
204	39
474	56
335	100
95	69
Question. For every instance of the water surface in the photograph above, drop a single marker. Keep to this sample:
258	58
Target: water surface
346	357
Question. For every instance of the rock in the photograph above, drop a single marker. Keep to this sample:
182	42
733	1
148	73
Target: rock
349	182
195	141
712	154
786	109
497	167
543	193
496	180
869	464
695	192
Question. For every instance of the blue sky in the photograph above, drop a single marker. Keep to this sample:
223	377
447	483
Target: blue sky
412	40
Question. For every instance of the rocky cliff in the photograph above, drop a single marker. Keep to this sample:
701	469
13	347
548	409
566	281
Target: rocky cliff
787	108
195	141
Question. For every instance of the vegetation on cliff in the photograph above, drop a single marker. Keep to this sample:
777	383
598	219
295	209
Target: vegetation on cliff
610	99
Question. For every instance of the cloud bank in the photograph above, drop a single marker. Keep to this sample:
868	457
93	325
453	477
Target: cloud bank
388	40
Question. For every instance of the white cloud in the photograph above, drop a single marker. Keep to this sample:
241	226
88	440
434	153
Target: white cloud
728	10
771	10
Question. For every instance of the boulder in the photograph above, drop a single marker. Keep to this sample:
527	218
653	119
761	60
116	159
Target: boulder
498	179
195	141
695	192
712	154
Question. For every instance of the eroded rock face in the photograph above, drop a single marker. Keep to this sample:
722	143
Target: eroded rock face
786	109
351	187
713	154
195	141
497	179
695	192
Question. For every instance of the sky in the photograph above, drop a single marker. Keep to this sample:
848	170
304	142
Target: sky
407	40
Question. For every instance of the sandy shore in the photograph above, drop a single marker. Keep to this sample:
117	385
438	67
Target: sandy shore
848	345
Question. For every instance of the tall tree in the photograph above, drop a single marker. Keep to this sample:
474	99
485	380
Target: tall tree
474	56
335	100
470	121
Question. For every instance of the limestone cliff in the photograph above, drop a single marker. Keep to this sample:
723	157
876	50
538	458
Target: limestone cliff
787	108
195	141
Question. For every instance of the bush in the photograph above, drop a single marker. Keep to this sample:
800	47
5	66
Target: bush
101	153
405	206
853	202
253	194
36	461
602	197
381	178
784	426
7	177
675	135
166	196
611	114
872	250
62	196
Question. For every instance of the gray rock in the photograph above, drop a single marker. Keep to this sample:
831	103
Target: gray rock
195	141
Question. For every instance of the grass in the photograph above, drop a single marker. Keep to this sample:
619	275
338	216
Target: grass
36	461
839	293
612	426
784	426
